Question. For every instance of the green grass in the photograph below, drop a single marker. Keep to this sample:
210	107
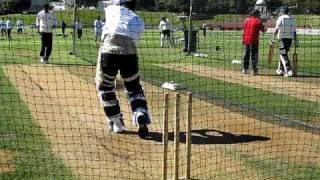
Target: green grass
277	168
22	135
214	89
230	43
25	50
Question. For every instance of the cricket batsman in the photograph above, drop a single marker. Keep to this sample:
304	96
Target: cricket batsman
119	53
285	33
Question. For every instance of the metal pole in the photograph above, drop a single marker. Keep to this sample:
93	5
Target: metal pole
74	28
189	29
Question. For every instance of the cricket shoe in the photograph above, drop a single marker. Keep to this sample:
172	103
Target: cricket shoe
142	119
42	60
254	73
244	71
289	74
279	72
116	124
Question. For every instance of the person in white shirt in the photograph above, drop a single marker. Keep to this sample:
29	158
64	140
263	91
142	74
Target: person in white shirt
3	27
165	31
119	53
285	32
45	23
9	28
97	29
20	26
79	27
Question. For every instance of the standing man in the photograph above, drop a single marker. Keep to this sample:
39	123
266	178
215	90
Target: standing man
45	23
204	29
20	26
285	32
97	29
251	31
119	53
79	27
9	28
165	31
3	27
63	28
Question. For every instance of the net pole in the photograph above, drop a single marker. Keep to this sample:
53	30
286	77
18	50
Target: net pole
177	137
74	28
190	25
165	137
188	135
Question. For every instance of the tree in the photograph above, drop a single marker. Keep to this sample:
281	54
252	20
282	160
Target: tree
87	3
147	4
14	6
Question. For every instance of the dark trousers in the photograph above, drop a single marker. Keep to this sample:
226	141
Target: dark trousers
251	50
46	45
107	70
9	33
284	48
3	32
79	31
20	31
63	31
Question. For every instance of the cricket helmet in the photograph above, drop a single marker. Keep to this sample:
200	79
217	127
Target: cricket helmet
284	10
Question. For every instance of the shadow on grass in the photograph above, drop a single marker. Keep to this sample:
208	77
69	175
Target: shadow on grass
206	136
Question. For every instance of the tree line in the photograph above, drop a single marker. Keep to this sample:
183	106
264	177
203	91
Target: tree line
199	6
226	6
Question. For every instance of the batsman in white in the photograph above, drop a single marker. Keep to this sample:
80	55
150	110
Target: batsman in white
165	31
119	53
285	32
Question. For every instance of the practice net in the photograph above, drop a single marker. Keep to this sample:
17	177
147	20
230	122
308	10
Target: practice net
245	125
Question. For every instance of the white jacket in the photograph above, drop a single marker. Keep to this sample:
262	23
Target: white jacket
46	21
122	21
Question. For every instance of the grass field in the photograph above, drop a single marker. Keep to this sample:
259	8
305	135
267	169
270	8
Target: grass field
23	141
32	146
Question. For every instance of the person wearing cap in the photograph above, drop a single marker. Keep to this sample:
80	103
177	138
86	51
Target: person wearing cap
45	22
251	31
165	31
118	53
285	33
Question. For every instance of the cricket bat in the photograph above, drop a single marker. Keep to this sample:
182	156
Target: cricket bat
270	54
295	61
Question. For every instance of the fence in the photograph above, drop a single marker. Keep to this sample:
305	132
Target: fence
244	126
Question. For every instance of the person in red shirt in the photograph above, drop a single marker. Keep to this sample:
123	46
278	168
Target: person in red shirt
251	30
